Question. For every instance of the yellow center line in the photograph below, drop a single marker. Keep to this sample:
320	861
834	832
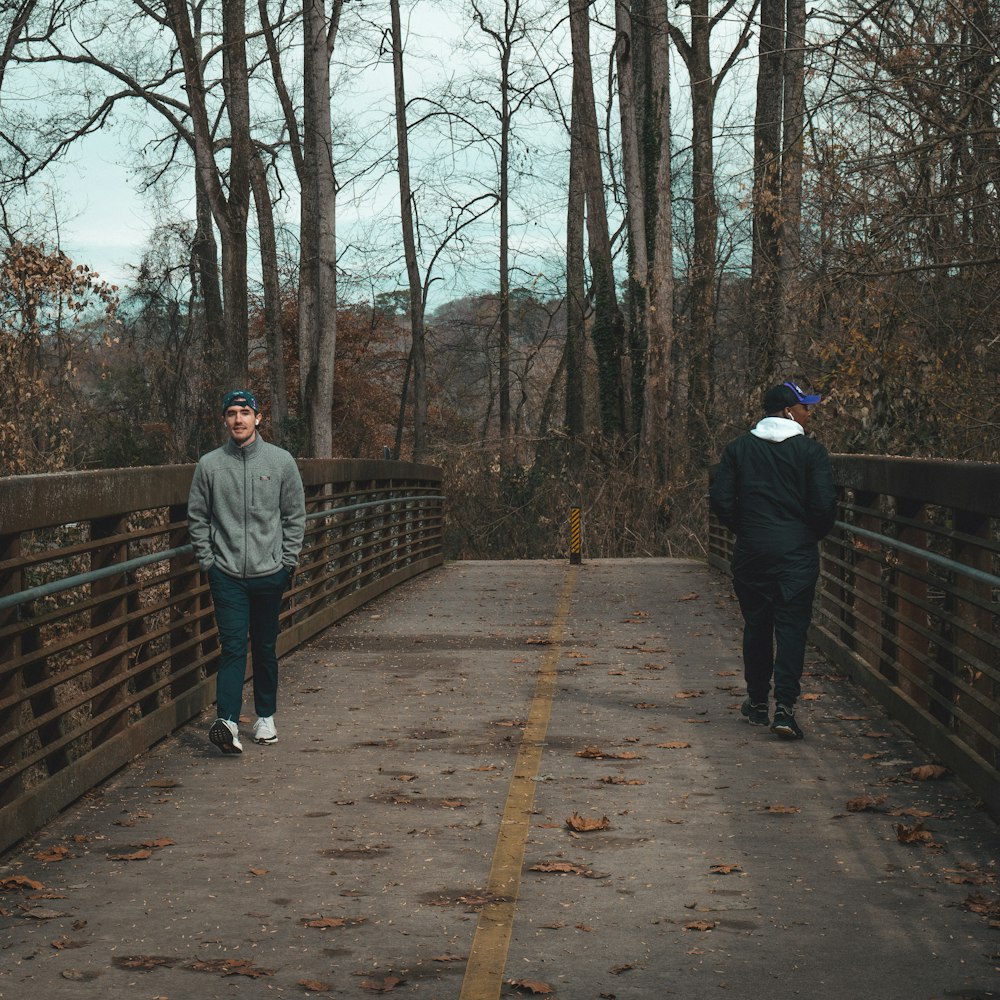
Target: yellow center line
488	957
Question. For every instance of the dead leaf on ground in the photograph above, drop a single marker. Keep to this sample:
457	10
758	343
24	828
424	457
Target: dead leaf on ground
596	753
853	718
448	958
689	694
810	697
452	803
689	597
144	962
584	824
653	666
230	967
617	970
928	772
911	811
916	834
700	925
142	855
861	803
20	883
164	783
65	944
674	745
983	905
565	868
386	985
539	642
876	736
161	842
725	869
782	810
40	913
314	985
258	871
325	923
644	704
618	779
58	852
530	986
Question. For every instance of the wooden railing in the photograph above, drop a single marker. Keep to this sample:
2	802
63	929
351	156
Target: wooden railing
909	601
107	638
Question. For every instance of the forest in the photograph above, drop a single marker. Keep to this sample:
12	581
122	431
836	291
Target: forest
557	248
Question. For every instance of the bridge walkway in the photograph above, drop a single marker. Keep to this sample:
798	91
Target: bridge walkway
412	832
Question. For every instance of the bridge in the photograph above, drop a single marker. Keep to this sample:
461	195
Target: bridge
495	778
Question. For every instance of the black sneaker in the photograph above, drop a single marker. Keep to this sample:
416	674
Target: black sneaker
756	715
784	724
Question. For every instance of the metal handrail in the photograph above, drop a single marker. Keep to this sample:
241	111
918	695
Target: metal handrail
91	576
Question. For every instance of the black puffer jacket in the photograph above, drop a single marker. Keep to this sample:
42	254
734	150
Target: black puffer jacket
775	491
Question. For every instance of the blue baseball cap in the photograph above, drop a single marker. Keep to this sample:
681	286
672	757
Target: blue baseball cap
240	397
787	394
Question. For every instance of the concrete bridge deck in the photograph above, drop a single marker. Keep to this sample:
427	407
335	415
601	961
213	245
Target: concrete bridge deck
408	834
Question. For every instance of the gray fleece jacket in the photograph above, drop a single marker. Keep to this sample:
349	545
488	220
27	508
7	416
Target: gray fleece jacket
246	509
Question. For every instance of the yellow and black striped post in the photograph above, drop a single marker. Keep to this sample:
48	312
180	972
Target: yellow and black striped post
574	536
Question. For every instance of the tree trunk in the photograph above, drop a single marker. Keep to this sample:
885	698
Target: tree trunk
576	334
418	352
318	265
765	284
608	330
793	145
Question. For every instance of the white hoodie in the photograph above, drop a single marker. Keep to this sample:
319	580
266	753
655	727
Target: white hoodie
776	429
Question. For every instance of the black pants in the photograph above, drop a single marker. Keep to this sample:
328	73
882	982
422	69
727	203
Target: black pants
774	640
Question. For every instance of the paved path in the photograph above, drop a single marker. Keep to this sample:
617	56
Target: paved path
408	834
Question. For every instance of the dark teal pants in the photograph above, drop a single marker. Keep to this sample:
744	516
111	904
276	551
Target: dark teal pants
245	607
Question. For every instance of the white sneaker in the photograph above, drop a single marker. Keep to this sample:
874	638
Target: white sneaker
226	736
264	731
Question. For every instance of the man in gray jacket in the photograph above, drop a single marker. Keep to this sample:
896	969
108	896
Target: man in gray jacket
246	518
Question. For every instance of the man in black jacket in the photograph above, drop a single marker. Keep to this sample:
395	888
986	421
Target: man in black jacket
774	489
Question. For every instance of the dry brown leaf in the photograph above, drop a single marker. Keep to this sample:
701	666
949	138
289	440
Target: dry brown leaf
596	753
915	813
448	958
618	779
161	842
689	597
782	810
386	985
674	745
583	824
617	970
64	944
142	855
876	736
689	694
863	802
725	869
58	852
983	905
530	986
164	783
315	985
916	834
928	772
699	925
145	962
230	967
324	923
20	883
810	697
258	871
644	704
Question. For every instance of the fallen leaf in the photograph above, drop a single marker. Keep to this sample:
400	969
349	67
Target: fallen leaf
596	753
725	869
618	779
530	985
453	803
674	745
565	868
689	597
782	810
983	905
689	694
258	871
582	824
134	856
810	697
58	852
230	967
861	803
144	962
876	736
928	772
162	842
20	883
324	923
315	985
617	970
164	783
40	913
915	813
915	834
644	704
386	985
699	925
64	944
448	958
